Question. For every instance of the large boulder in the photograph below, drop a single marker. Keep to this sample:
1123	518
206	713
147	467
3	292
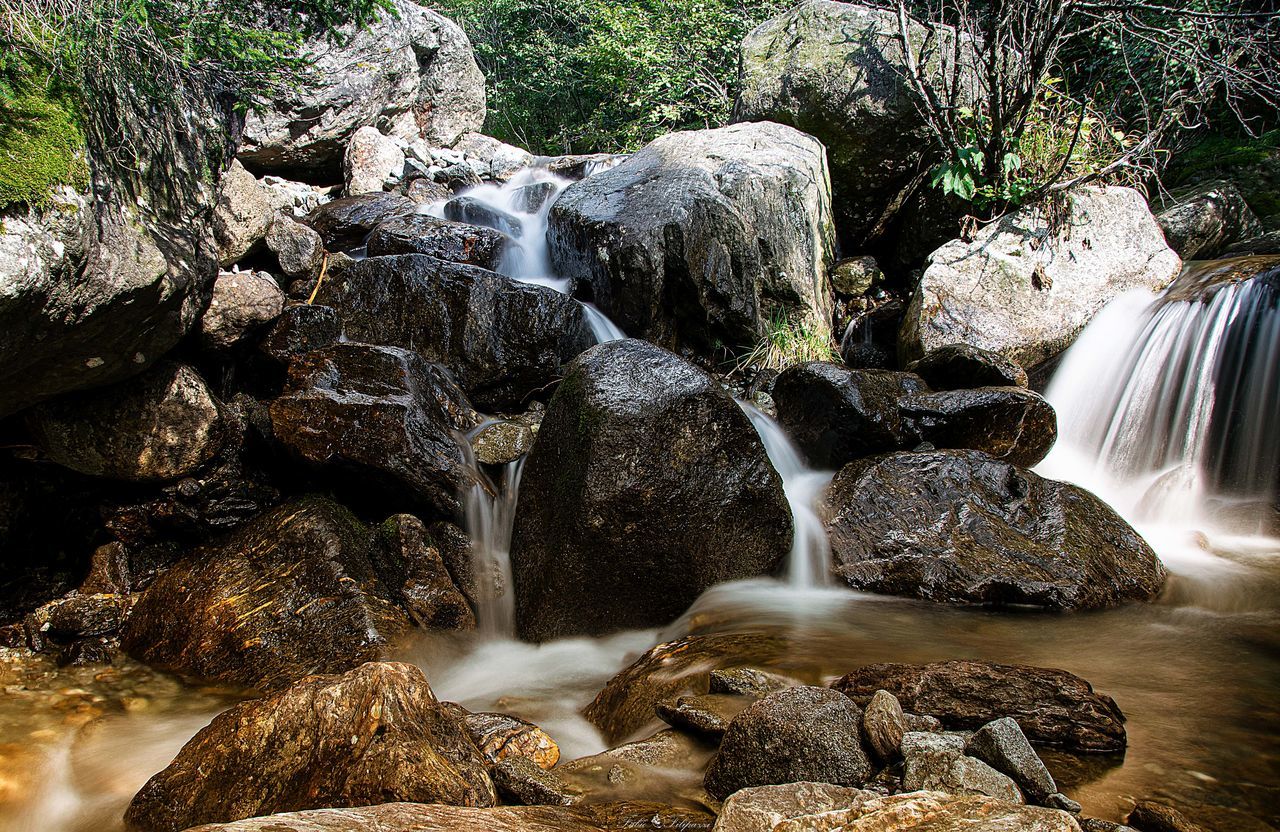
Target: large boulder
97	286
1053	707
160	426
381	416
647	484
837	415
838	72
798	734
501	339
295	592
1202	220
961	527
704	238
410	73
374	735
1028	283
964	367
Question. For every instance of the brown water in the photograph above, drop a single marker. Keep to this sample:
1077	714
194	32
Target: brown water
1196	674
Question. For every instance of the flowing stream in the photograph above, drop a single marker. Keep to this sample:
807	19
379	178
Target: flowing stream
1163	404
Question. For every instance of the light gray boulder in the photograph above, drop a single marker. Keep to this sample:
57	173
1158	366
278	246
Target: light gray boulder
703	237
243	215
242	302
1027	284
370	161
410	73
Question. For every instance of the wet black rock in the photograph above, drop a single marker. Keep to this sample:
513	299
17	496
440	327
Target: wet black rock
344	223
374	735
532	198
472	211
963	367
74	618
1053	707
414	570
455	242
299	330
502	340
293	593
961	527
382	415
647	485
1002	745
836	415
799	734
159	426
1009	423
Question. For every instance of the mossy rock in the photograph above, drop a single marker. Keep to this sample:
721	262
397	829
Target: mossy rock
41	146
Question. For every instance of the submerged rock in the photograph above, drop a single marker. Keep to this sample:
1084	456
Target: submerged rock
1052	706
410	72
373	735
344	224
647	484
455	242
160	426
469	210
1027	284
381	414
798	734
1150	816
292	593
607	817
705	715
703	238
628	702
502	340
961	527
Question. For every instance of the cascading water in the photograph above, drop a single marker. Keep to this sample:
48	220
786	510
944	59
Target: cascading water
809	564
1165	404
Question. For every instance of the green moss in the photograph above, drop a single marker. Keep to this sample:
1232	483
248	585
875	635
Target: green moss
41	146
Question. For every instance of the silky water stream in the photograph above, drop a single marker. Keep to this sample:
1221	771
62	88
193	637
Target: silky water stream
1142	398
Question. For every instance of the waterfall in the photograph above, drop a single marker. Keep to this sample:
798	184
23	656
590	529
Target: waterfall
1165	404
490	518
809	564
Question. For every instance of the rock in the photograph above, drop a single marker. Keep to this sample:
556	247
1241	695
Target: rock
838	72
426	192
370	161
647	485
576	167
94	289
1053	707
609	817
1268	243
1028	283
502	442
1203	219
534	197
627	703
501	339
299	330
866	355
915	744
157	427
836	415
502	737
343	224
964	367
455	242
671	758
1149	816
411	72
291	593
959	527
1096	825
373	735
456	551
1058	800
1011	424
73	618
923	724
503	160
856	275
802	733
382	415
765	808
243	215
414	569
469	210
705	715
883	725
748	681
731	228
954	773
522	781
242	302
296	199
1002	745
298	249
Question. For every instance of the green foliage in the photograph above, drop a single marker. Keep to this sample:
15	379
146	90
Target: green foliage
41	144
789	342
606	75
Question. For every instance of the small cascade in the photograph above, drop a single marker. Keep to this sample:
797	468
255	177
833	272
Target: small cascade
1166	404
809	564
490	517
